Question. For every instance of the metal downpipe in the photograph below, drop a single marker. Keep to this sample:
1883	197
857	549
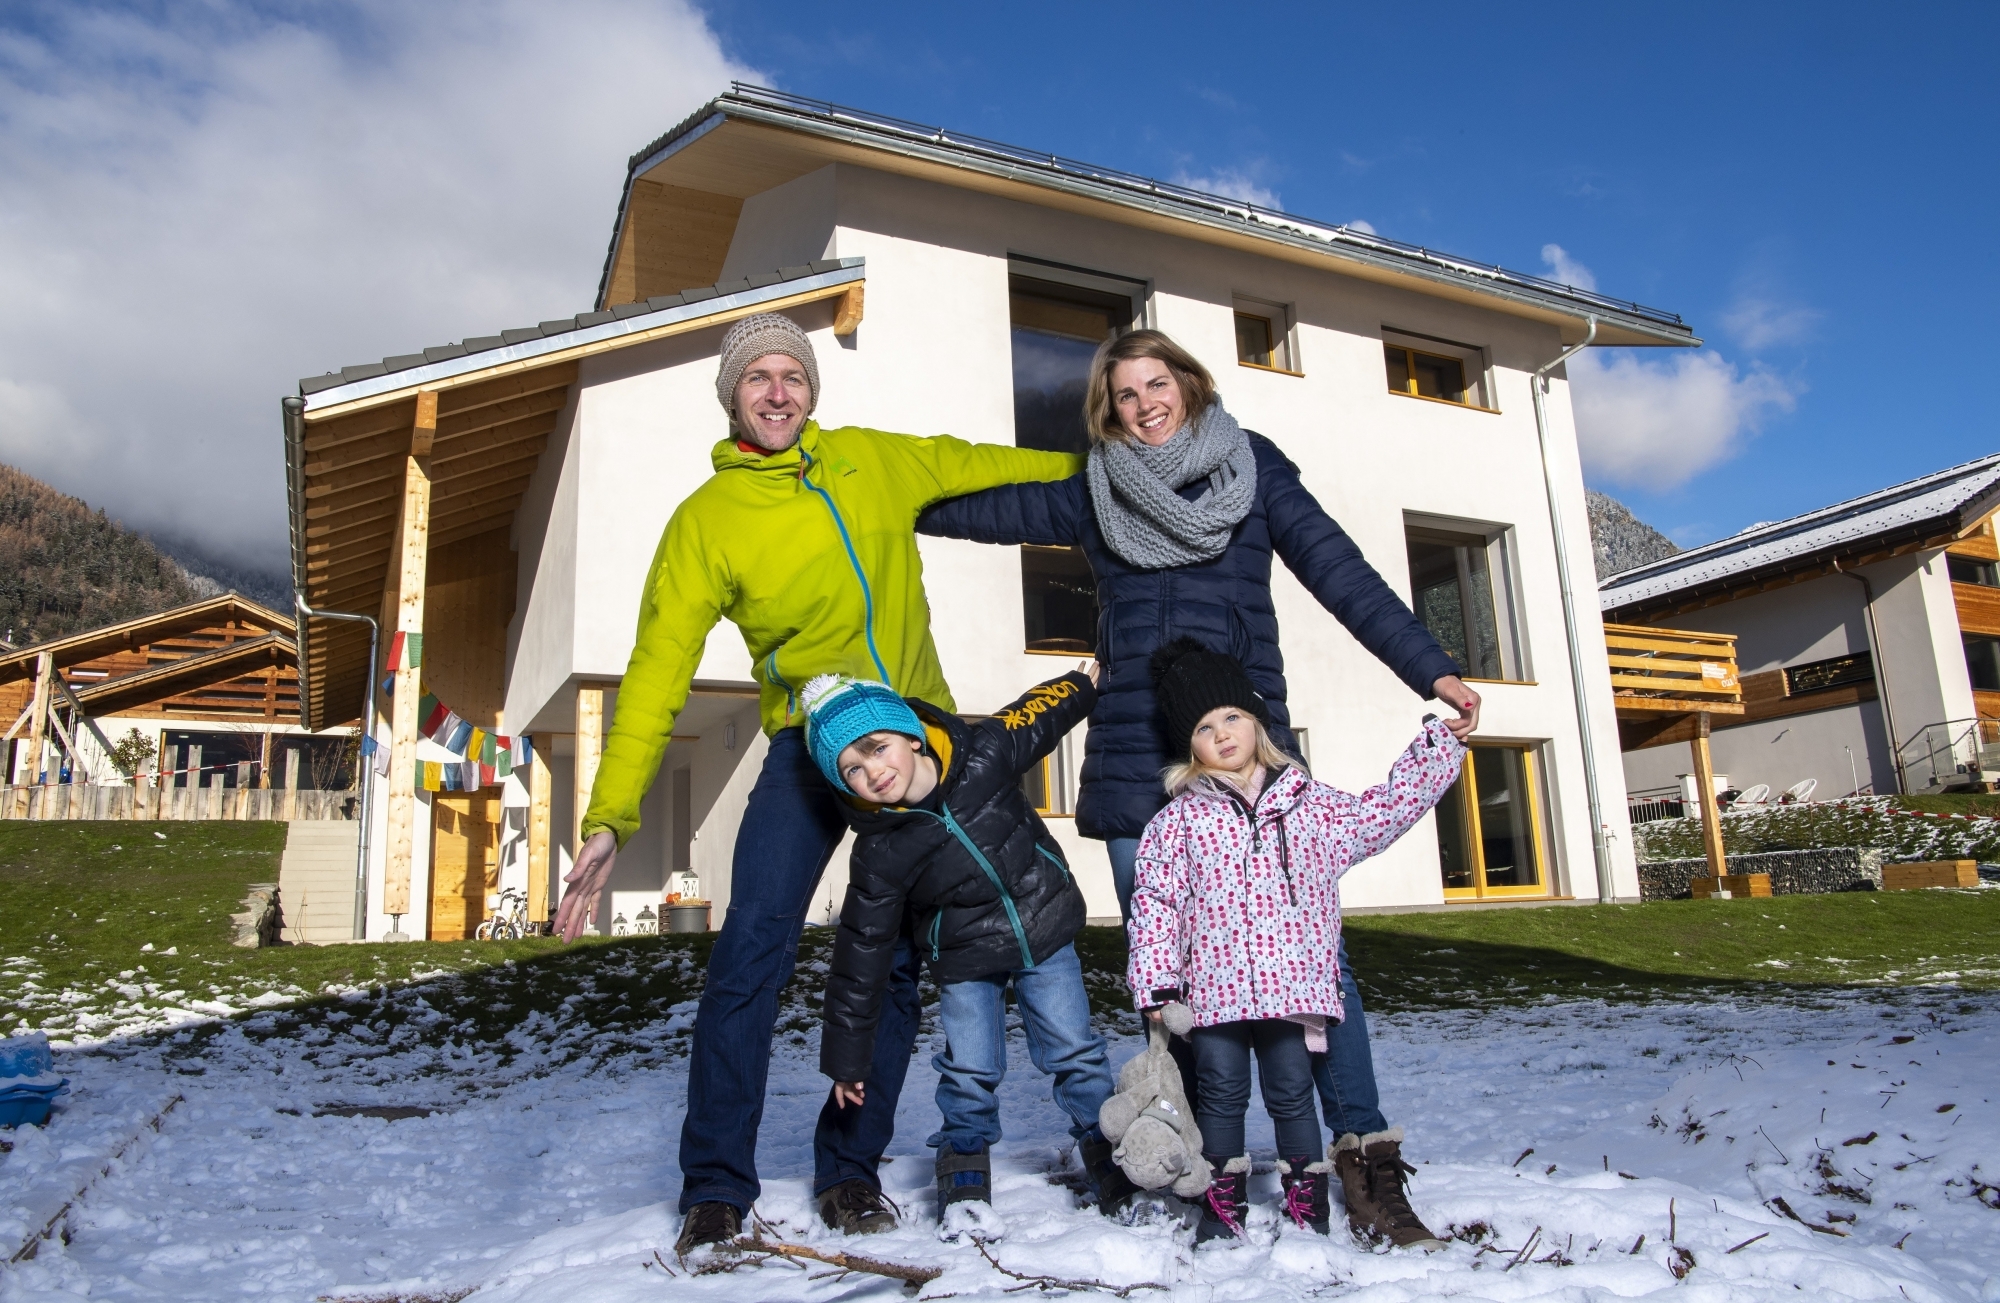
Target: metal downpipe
1601	853
294	409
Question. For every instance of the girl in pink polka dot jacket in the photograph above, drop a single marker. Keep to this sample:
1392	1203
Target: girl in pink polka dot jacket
1236	912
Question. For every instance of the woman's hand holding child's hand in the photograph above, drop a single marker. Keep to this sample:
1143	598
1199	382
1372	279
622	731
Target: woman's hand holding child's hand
848	1092
1090	668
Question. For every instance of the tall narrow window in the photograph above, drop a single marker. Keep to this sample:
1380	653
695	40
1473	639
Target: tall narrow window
1462	601
1056	329
1490	827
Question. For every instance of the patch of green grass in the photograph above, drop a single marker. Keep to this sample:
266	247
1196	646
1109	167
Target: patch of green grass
1979	805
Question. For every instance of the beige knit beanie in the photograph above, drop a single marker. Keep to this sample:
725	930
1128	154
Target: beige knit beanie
760	336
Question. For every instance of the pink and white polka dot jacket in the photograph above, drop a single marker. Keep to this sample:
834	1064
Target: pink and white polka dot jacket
1239	907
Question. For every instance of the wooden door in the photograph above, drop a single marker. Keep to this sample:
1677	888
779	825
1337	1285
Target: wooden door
465	861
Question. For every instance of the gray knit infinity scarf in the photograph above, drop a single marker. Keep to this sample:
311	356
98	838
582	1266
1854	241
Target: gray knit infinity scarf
1143	519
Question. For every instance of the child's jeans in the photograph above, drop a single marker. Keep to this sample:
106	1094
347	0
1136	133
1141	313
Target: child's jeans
1284	1070
1055	1014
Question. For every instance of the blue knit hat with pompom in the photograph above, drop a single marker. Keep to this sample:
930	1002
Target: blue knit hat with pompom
839	710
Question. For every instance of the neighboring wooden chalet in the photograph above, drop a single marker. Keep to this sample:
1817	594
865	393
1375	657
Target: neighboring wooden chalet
214	682
1867	636
493	504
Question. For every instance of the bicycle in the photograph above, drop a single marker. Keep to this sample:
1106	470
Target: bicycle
510	918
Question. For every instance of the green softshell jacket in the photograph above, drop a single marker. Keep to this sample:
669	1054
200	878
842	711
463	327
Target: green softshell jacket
812	554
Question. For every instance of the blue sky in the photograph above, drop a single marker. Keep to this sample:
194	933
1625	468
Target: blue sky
1811	186
201	203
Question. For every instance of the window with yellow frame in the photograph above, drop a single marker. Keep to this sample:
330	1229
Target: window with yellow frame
1047	784
1491	843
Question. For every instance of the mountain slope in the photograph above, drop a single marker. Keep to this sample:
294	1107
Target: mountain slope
1619	540
65	568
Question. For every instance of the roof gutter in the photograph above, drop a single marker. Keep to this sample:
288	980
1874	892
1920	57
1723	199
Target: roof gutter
1600	852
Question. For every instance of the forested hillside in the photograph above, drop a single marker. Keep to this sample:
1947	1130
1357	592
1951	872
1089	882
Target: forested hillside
65	568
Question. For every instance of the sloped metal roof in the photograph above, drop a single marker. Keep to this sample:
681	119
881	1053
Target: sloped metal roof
879	131
1945	502
550	336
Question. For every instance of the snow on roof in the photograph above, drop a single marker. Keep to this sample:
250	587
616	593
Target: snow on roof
1945	500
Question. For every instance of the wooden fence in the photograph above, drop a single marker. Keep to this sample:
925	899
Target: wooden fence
86	801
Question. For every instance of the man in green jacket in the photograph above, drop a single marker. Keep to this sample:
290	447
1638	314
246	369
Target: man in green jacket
804	539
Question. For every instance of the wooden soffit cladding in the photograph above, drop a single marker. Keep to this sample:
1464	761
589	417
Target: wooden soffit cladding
254	679
738	158
672	237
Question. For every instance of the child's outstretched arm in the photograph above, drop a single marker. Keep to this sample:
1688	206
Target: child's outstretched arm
1159	901
1032	725
864	952
1372	821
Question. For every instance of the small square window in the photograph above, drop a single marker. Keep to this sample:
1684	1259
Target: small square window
1444	372
1264	337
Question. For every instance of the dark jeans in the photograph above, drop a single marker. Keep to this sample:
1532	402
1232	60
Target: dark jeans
1345	1074
789	831
1284	1071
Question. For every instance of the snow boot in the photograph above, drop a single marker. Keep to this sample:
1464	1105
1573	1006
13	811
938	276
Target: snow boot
963	1178
854	1207
1305	1192
1227	1203
1371	1171
1114	1189
705	1224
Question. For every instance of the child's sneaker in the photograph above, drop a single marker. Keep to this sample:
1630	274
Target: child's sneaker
1305	1182
1227	1202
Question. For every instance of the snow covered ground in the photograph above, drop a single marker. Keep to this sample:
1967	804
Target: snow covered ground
1574	1150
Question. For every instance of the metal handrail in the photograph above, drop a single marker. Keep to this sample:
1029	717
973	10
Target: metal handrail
1220	204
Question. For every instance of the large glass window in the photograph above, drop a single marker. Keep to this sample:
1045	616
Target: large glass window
1982	662
1972	570
1056	329
1490	827
1462	601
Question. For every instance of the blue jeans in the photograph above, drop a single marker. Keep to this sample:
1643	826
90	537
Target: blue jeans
1055	1014
1345	1074
790	828
1284	1072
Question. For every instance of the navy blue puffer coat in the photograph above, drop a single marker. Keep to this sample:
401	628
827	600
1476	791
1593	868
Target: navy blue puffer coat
1224	603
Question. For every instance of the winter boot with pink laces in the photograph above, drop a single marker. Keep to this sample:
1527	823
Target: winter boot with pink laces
1372	1169
1305	1183
1227	1204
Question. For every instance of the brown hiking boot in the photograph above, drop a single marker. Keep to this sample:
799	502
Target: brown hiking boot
855	1207
1371	1171
705	1224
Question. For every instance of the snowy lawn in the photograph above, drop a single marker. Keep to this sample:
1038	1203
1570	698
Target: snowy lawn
1782	1097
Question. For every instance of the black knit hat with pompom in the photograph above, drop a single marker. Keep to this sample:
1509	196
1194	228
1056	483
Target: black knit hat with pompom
1190	680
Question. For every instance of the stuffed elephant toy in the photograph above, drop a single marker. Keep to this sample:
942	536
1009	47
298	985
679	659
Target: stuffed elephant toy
1158	1144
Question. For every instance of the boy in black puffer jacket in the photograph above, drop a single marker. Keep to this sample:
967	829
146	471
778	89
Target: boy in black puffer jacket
949	852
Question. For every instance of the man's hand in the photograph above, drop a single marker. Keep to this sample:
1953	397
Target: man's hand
848	1092
585	884
1090	668
1451	690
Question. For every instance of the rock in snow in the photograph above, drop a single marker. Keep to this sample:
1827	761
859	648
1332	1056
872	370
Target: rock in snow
1846	1148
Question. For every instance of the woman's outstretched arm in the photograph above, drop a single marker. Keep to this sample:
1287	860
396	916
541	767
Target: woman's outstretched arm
1050	514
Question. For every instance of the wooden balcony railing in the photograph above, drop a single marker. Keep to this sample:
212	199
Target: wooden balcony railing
1672	671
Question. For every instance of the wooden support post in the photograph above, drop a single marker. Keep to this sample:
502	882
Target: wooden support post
292	782
264	763
1704	783
38	726
408	563
589	750
541	790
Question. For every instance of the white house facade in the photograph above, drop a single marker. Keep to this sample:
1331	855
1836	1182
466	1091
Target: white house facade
953	287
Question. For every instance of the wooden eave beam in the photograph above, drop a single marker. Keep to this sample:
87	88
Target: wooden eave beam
499	503
476	475
471	420
524	445
474	528
367	423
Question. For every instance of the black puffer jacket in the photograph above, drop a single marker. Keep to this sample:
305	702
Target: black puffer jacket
981	882
1225	604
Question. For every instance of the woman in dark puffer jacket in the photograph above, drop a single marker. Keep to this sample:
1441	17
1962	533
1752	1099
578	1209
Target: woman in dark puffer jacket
1179	512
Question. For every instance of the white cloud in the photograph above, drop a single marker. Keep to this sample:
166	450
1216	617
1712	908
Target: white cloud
1760	323
203	203
1231	183
1566	269
1658	422
1366	228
